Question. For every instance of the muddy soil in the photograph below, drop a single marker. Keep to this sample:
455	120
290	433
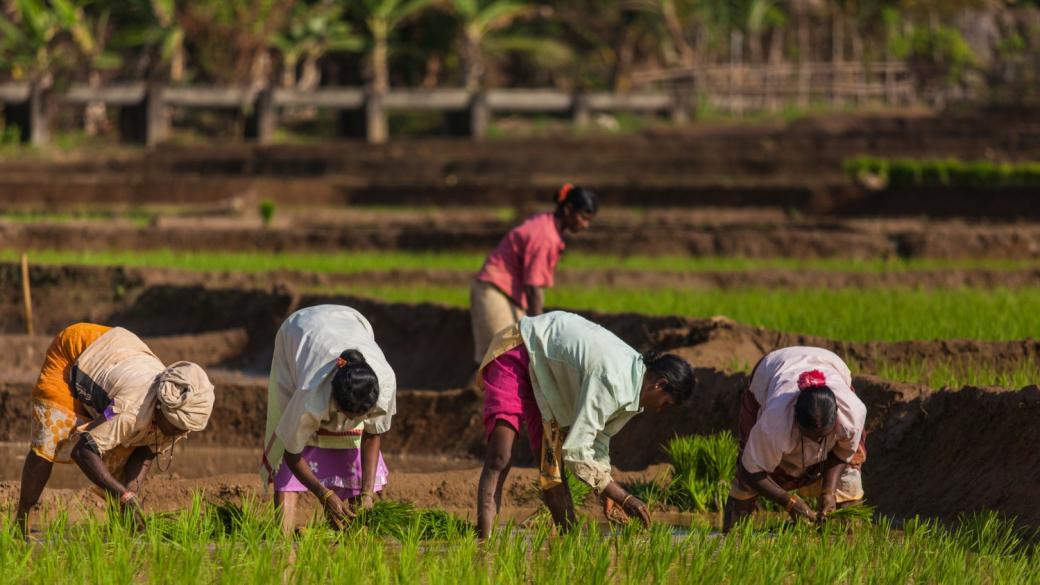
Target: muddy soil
789	166
934	452
794	238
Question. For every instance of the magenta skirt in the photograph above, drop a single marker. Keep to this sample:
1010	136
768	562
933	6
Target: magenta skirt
509	397
337	469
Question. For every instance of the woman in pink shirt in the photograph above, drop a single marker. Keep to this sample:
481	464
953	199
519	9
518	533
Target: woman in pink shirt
511	282
801	428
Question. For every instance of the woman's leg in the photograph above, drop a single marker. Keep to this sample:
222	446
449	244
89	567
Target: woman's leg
285	504
492	478
35	474
560	504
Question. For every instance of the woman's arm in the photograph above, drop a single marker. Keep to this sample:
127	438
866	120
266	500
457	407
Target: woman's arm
88	457
137	468
335	511
369	465
767	488
833	467
535	300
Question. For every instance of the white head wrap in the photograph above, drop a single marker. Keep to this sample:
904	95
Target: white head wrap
185	395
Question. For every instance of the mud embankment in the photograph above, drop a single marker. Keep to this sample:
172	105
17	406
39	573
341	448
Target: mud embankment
789	166
936	453
794	238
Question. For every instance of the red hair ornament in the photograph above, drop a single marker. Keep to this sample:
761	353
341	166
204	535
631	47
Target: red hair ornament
561	196
811	379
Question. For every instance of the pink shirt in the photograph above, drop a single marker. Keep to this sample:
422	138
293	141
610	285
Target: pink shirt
774	441
526	256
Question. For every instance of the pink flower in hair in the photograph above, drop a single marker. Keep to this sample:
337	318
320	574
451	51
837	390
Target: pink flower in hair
811	379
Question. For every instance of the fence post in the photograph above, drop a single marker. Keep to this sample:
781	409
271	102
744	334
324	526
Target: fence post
581	113
479	115
264	118
376	130
156	122
31	116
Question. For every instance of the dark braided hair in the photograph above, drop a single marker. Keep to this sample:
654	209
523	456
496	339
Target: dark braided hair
578	198
675	371
816	408
355	386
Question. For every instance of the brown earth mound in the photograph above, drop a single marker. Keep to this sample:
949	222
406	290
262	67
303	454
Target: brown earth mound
789	166
938	453
795	238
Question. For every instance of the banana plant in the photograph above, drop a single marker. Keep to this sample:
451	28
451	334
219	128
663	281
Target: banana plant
41	38
312	32
381	18
481	19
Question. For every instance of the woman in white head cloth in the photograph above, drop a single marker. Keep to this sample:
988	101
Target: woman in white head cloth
331	396
106	402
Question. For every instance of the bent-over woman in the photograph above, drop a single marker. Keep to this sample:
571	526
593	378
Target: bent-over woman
801	428
330	397
106	402
572	385
511	282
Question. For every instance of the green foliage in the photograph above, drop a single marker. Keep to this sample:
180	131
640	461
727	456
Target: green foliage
702	469
909	173
942	49
579	489
267	209
402	520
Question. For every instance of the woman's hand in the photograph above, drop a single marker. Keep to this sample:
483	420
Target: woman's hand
366	501
132	507
633	506
827	504
338	515
801	510
613	512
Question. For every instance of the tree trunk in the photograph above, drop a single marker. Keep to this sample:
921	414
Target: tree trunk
624	55
310	77
675	31
837	36
473	61
289	71
776	46
95	116
380	58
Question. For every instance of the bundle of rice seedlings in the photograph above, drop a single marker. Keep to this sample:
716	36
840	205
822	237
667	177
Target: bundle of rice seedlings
854	513
702	468
393	518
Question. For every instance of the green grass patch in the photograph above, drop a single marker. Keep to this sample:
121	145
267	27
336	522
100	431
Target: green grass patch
702	469
958	373
348	262
139	218
904	173
872	314
242	544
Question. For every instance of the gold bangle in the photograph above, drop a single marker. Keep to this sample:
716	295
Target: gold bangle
369	494
625	501
324	497
790	504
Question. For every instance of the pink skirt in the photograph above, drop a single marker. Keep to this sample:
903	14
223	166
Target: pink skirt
509	397
337	469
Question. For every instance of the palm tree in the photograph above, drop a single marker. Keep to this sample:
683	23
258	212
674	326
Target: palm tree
480	18
313	31
381	18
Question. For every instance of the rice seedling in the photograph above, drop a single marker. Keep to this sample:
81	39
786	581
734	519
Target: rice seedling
399	519
376	261
983	549
702	469
851	514
868	314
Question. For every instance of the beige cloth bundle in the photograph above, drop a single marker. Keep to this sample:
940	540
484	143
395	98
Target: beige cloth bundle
185	395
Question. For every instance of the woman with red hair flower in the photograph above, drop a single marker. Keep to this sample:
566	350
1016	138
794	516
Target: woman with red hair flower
801	428
511	283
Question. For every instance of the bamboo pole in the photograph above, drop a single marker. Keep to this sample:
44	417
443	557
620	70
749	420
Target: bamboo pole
27	294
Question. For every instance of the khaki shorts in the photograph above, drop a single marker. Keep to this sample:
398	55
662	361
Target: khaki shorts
490	312
850	488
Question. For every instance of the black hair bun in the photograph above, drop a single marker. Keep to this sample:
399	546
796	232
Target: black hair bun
352	356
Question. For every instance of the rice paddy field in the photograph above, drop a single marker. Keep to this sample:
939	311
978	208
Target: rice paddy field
937	317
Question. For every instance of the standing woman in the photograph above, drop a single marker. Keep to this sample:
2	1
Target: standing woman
104	401
511	283
572	385
801	428
330	397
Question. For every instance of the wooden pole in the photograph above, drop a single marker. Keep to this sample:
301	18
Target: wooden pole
27	294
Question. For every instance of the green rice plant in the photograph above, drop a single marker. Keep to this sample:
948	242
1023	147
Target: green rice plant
908	173
649	491
989	533
267	209
399	520
580	490
961	372
702	469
